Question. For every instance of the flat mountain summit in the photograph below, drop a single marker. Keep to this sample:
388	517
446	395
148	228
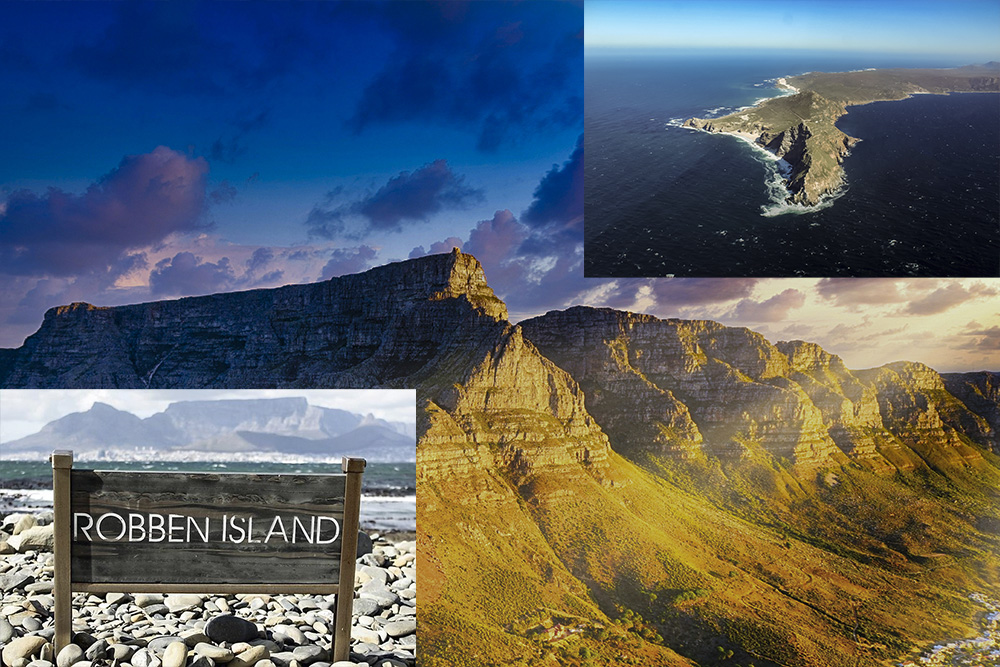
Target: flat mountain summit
608	486
289	426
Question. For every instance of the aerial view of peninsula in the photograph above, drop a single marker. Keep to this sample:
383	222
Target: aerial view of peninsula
841	149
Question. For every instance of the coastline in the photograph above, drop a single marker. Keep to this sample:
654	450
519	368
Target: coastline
802	126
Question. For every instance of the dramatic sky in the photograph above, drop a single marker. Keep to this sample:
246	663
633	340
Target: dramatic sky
158	150
966	28
26	411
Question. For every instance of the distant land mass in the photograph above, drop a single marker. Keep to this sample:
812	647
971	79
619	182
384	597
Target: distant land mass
604	487
801	128
227	429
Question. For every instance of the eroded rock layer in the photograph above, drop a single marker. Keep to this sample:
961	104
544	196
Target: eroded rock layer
596	483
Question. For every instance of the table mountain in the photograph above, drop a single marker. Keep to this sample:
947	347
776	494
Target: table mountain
600	487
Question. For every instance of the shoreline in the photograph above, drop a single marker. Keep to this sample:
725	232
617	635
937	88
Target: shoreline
804	127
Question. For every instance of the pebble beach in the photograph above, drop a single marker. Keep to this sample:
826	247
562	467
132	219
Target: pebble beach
195	630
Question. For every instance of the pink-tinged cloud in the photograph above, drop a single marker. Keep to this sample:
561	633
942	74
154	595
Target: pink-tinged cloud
774	309
141	202
185	274
947	297
856	292
986	339
344	261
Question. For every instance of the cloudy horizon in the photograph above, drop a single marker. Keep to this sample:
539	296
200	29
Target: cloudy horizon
162	150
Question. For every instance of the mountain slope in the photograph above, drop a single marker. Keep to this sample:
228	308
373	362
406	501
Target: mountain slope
599	487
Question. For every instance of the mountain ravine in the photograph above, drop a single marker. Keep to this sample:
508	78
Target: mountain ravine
600	487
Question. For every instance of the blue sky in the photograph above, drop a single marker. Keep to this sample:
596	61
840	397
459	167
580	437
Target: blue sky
159	150
961	28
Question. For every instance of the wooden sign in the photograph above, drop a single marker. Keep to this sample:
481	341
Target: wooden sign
205	533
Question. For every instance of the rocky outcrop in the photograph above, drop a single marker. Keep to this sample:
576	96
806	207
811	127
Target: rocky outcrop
380	328
801	130
680	387
980	392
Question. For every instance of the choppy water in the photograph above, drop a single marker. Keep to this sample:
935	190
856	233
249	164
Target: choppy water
923	192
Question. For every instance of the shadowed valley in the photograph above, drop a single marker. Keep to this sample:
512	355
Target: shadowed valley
599	486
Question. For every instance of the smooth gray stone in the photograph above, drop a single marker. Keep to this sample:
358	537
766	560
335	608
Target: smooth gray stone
365	607
291	632
175	655
22	648
282	658
229	628
39	587
401	628
6	631
15	580
158	609
97	650
70	655
40	663
158	645
306	655
213	652
31	624
201	661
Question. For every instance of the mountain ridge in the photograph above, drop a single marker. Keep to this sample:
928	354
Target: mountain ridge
600	483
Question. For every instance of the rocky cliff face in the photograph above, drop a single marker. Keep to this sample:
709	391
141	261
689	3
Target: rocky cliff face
980	392
801	130
531	510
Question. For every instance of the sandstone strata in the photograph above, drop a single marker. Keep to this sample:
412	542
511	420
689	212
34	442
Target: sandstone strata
529	518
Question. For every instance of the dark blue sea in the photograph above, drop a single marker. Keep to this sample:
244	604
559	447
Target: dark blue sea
922	199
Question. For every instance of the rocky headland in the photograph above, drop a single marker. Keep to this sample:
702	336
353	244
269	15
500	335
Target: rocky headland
800	128
603	486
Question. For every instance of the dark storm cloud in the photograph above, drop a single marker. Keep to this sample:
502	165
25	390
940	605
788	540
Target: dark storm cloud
186	274
556	212
344	261
188	47
506	70
410	196
145	199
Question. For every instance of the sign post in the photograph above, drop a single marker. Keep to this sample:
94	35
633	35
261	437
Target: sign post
169	532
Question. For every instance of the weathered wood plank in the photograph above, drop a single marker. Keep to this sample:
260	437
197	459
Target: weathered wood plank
177	528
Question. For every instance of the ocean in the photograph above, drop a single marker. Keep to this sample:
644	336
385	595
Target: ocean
388	490
923	185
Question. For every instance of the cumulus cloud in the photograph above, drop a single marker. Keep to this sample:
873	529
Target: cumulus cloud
409	196
141	202
506	70
344	261
774	309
